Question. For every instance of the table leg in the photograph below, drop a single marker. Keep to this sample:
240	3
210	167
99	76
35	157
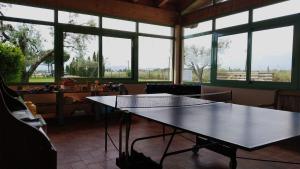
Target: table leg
60	107
128	127
105	126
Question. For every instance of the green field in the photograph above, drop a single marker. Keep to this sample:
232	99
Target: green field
110	74
144	75
41	80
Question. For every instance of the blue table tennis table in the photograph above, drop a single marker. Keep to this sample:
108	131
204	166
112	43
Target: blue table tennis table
220	127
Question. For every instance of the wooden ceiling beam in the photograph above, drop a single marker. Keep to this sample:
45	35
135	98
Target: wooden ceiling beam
227	7
162	3
194	6
120	9
181	5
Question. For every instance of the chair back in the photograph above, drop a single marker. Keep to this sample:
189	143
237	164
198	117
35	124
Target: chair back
288	100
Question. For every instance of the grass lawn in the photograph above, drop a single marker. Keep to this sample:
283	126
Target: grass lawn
41	79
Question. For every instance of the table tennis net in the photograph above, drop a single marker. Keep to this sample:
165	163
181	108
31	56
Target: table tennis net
123	101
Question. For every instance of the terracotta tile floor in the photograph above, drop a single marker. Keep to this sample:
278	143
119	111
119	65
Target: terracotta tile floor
80	145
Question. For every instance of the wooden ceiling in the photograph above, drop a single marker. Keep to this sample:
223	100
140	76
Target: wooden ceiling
180	6
164	12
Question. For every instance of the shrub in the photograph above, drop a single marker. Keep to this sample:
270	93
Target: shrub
11	62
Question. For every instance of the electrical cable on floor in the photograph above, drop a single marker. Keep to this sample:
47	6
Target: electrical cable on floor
112	141
272	161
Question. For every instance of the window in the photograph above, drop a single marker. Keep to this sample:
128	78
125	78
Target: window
277	10
155	59
197	59
232	20
78	19
81	55
155	29
232	57
118	24
117	57
198	28
36	43
272	55
26	12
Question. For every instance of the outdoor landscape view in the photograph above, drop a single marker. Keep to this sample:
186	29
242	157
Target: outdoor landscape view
271	59
28	49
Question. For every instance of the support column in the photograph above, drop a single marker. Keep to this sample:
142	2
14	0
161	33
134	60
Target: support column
178	54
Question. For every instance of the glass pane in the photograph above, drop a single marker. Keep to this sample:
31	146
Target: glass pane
155	29
277	10
78	19
197	59
272	52
32	56
232	57
118	24
117	57
232	20
198	28
81	55
26	12
155	59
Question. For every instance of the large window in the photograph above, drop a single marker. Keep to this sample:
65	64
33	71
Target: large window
118	24
198	28
109	50
26	12
36	43
117	56
155	29
155	59
81	55
276	10
272	55
78	19
197	59
232	20
232	57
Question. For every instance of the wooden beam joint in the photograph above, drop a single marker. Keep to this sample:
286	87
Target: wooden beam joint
162	3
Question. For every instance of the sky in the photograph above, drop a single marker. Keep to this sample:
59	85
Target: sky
117	52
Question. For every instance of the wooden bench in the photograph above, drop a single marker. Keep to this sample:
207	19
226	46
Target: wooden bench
255	76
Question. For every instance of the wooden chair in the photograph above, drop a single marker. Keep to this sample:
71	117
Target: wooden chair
288	100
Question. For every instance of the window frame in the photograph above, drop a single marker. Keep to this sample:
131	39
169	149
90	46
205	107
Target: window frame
215	70
59	28
172	55
250	27
133	42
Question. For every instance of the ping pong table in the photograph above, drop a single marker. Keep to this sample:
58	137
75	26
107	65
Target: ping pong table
221	127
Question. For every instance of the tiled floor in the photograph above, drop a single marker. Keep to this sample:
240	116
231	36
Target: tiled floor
80	145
